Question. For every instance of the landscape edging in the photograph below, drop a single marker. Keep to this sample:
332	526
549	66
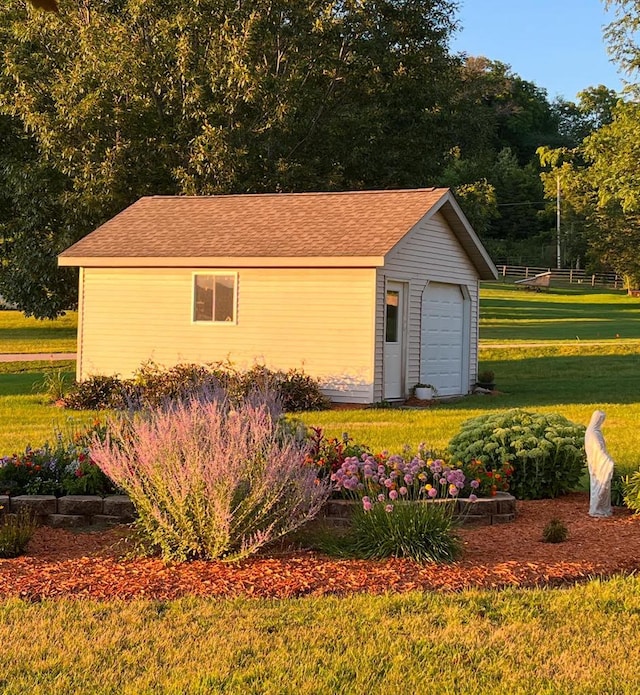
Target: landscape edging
485	511
71	511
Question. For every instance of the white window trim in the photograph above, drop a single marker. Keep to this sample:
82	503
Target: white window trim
233	273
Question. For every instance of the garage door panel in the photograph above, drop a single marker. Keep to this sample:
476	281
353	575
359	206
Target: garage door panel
442	335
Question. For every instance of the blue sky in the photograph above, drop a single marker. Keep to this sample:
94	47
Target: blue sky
557	44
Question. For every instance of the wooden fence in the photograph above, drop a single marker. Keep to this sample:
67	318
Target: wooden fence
563	275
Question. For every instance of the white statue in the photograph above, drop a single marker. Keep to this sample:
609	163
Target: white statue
600	467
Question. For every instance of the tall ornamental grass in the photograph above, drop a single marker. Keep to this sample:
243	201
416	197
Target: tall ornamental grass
210	480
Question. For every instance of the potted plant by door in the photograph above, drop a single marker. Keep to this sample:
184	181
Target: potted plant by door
424	392
485	380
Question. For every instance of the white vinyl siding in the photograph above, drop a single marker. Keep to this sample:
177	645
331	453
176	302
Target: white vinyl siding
319	320
429	253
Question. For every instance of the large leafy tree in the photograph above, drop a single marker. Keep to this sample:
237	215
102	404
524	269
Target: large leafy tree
599	180
115	99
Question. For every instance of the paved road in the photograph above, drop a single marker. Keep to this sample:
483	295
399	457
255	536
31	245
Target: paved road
32	357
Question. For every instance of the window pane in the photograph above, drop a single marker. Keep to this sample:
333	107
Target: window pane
393	300
203	298
224	297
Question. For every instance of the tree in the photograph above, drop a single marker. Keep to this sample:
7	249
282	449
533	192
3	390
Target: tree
600	195
120	99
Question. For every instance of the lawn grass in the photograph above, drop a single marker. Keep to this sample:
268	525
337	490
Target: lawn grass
27	417
579	640
19	334
509	313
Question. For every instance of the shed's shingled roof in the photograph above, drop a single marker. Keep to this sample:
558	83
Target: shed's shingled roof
363	223
276	229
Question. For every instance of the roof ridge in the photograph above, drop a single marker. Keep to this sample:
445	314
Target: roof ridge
305	193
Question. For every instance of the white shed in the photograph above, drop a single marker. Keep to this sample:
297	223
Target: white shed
370	291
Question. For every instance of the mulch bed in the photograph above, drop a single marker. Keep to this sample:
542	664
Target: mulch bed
62	563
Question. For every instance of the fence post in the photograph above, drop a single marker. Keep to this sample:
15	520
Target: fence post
593	281
571	276
526	272
504	271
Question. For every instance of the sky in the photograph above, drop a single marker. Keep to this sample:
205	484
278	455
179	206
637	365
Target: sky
556	44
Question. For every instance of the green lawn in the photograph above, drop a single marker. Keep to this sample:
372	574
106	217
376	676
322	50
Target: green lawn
20	334
509	313
27	417
579	640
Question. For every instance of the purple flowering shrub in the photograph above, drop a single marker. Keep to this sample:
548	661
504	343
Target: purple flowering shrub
211	479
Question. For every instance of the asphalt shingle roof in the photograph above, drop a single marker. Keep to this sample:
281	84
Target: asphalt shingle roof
363	223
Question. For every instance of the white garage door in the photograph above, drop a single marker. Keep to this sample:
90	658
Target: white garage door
442	339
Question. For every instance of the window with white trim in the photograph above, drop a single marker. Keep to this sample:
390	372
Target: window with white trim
214	297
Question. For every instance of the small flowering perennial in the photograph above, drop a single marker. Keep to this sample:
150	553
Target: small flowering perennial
387	479
394	520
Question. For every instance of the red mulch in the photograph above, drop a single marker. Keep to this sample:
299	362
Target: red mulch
91	564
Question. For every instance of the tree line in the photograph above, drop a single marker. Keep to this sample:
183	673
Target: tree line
105	101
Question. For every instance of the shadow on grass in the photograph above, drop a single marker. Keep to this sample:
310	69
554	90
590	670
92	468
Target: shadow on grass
557	380
28	383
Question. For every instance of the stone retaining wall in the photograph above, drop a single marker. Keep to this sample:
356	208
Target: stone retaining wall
73	510
86	510
500	509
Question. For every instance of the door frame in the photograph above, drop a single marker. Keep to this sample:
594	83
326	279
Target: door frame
403	286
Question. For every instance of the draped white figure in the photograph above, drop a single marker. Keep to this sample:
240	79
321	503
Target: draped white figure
600	467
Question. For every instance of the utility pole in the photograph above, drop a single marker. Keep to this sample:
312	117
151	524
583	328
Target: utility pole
558	255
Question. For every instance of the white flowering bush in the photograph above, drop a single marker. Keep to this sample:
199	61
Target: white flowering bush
544	450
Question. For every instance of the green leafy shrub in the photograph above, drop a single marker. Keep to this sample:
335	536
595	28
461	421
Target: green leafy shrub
296	390
555	531
16	530
211	479
619	483
96	393
152	385
545	451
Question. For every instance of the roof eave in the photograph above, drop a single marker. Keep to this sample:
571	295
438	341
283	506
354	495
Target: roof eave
65	260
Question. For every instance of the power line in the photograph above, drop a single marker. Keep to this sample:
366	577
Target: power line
528	202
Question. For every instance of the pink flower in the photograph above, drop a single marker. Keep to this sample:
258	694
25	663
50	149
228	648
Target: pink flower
403	490
380	497
473	498
388	508
393	494
366	505
432	492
